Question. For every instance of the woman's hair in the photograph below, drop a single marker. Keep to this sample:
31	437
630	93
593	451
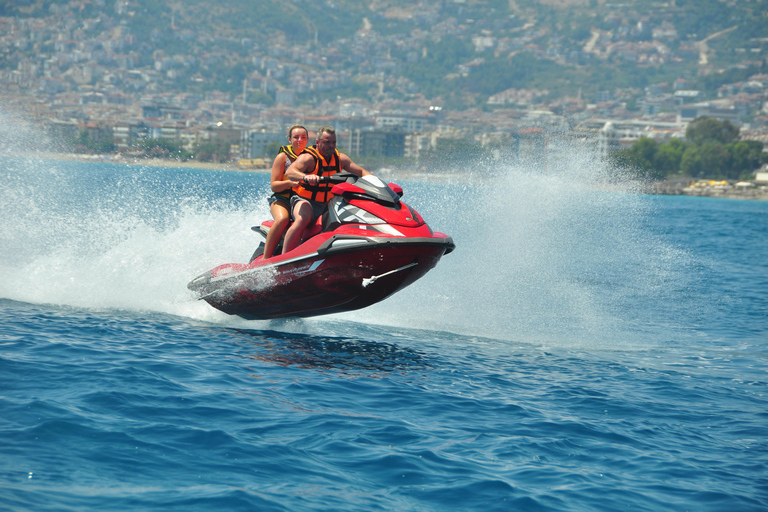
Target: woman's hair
293	127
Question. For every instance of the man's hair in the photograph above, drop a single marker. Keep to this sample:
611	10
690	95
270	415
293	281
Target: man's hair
325	129
293	127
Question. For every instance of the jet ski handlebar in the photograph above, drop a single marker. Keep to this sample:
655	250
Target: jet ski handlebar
342	177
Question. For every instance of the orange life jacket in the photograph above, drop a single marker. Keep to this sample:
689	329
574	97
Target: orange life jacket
322	191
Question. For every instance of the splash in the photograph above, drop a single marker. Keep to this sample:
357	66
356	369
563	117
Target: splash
120	237
553	255
557	254
20	135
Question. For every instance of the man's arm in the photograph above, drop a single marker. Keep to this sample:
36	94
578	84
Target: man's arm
348	165
300	167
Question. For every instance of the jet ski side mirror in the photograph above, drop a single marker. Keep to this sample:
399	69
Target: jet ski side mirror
397	189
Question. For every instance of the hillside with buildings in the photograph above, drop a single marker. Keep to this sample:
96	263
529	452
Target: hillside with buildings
398	79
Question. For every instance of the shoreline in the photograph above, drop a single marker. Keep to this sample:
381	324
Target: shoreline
190	164
723	189
146	162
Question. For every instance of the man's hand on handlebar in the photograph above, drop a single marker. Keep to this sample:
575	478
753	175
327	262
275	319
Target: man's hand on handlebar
314	179
311	179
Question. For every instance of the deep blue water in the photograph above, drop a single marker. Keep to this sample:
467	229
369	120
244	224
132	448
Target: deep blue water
584	348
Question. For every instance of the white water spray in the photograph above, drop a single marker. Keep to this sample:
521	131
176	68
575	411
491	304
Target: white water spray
104	236
555	256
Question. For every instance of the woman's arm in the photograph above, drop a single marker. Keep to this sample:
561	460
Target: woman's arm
278	181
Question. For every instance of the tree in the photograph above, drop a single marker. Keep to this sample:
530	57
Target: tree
716	159
669	156
215	150
691	164
259	96
644	153
746	156
640	158
710	160
163	148
705	156
272	148
97	140
706	129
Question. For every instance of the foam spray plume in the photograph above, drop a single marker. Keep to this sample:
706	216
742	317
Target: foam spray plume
100	235
544	255
553	253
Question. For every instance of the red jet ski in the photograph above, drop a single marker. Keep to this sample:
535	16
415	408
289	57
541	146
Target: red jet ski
366	246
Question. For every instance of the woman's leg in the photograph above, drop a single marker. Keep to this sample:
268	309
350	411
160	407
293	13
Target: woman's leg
280	214
302	216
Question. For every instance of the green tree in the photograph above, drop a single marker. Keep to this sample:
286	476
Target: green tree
716	159
441	59
272	148
691	164
644	153
98	141
669	156
499	74
709	160
215	150
164	148
259	96
639	158
746	156
705	129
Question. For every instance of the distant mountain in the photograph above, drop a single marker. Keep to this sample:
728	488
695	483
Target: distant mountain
463	51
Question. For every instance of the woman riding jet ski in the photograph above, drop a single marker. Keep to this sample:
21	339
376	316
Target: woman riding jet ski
366	246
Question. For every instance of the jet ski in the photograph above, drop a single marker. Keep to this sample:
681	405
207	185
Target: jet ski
366	246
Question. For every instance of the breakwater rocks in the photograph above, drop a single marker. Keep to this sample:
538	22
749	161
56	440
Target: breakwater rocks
710	188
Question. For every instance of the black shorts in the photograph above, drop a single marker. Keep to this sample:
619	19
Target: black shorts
285	201
317	208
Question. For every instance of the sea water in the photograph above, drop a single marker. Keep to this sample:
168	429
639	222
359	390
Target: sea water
583	348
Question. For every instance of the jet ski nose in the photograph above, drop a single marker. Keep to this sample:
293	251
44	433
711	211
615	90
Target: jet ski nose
201	283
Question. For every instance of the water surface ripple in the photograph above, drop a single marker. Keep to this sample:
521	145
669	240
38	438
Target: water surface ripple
537	375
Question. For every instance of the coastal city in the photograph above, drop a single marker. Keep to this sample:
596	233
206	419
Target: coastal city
80	70
383	255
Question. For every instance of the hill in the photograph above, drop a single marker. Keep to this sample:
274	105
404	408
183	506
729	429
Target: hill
462	52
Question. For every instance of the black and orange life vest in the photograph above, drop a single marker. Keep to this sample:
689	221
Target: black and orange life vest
322	191
290	158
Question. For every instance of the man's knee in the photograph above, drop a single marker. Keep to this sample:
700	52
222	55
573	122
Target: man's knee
303	212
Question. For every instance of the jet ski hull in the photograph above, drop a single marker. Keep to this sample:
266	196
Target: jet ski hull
350	276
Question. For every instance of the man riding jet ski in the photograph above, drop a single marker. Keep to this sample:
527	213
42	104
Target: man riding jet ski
367	245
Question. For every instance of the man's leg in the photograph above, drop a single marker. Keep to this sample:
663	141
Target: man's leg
302	216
